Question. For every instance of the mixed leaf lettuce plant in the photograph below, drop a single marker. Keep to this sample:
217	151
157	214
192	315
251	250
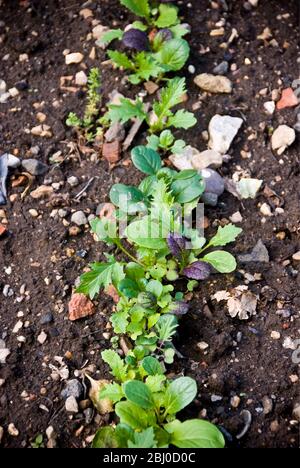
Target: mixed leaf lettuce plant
160	249
160	120
153	45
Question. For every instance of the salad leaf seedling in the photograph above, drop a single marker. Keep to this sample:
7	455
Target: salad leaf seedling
162	118
147	411
88	124
160	249
150	53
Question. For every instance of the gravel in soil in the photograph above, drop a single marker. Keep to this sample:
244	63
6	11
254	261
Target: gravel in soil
247	365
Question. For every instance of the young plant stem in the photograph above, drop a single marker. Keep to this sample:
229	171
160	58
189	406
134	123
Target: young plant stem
119	244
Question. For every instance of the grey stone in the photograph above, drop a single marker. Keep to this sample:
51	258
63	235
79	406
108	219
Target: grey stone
34	167
259	254
214	183
221	68
73	388
46	318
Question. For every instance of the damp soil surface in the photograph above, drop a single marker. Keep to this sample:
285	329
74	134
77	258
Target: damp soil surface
40	260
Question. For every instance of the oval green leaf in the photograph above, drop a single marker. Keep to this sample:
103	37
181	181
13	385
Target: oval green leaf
222	261
146	160
179	394
139	393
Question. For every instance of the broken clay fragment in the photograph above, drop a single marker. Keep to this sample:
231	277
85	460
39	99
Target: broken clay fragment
111	151
80	306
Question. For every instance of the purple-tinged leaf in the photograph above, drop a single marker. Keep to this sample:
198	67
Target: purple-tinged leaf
179	308
136	39
165	34
197	271
176	244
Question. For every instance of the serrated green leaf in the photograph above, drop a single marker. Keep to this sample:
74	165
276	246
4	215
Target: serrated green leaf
182	119
195	433
100	276
146	160
222	261
146	66
171	95
126	111
225	235
110	36
138	7
119	321
180	393
118	368
166	327
120	59
154	382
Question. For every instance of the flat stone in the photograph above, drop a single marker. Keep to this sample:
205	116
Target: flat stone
213	83
208	158
282	137
73	181
98	31
81	79
75	57
43	131
267	405
222	130
71	405
79	218
34	167
44	191
296	256
269	107
42	338
4	353
183	160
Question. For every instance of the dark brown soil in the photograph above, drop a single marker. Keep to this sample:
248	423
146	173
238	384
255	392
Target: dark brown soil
47	260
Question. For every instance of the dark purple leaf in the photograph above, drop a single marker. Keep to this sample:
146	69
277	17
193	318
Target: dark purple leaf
180	308
176	244
136	39
197	271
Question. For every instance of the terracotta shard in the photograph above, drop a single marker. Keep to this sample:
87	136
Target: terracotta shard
80	306
111	151
288	99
